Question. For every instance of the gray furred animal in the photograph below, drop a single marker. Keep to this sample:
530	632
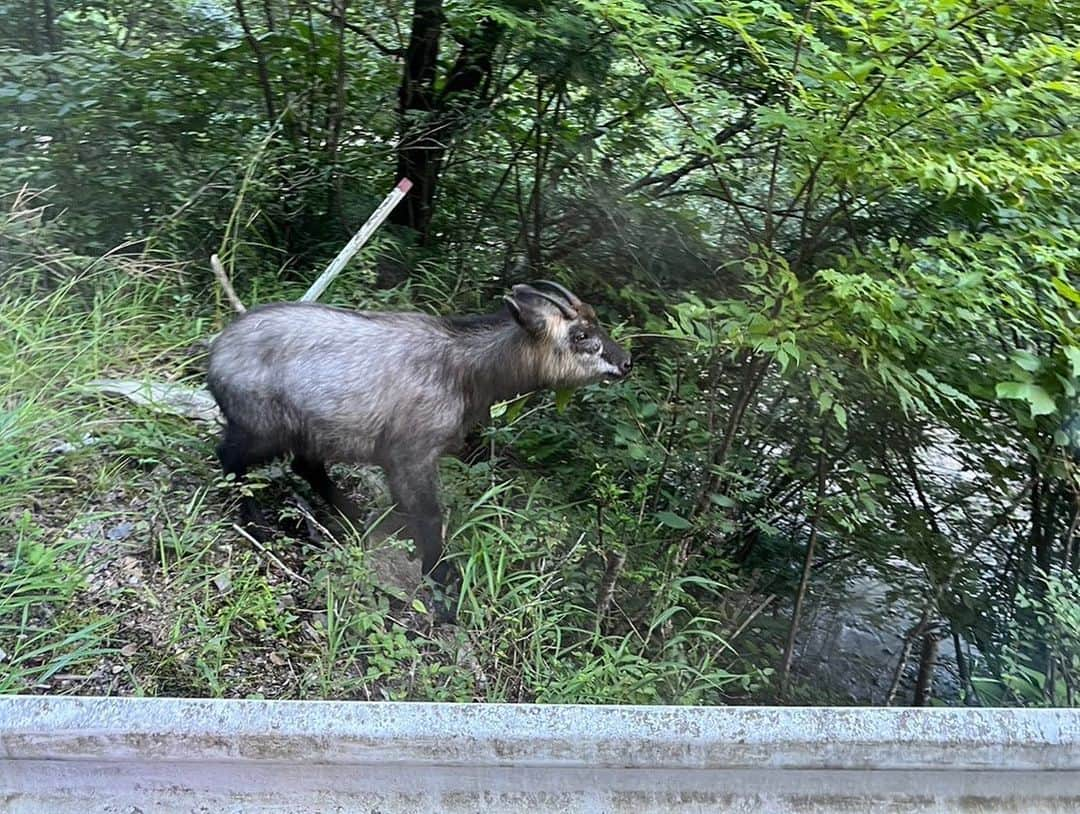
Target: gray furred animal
398	390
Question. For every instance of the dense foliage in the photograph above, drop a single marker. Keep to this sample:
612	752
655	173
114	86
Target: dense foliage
841	236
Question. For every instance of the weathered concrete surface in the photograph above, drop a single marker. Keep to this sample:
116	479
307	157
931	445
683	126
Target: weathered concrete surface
162	755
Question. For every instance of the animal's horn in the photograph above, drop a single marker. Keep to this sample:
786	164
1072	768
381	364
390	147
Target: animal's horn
570	298
562	306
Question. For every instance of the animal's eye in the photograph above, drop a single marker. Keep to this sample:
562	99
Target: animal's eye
580	336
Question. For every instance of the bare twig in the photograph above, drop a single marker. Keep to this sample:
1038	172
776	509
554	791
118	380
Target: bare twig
226	286
270	555
260	61
361	32
615	562
753	615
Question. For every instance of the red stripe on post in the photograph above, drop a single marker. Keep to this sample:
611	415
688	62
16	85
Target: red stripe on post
404	185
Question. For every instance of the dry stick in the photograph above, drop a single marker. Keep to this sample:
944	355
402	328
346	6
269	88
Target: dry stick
269	554
226	286
615	562
358	240
753	615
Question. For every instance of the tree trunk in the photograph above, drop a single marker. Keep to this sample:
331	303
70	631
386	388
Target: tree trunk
336	116
963	669
260	62
430	120
905	653
50	24
416	100
800	594
924	683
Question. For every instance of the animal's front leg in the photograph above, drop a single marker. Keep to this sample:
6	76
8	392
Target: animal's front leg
314	472
415	489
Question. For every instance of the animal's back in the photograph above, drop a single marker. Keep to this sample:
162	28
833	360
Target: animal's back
339	385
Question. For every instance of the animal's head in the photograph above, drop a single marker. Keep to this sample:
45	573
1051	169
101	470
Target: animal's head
571	347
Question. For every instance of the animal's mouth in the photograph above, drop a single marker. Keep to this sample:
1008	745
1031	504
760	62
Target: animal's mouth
615	375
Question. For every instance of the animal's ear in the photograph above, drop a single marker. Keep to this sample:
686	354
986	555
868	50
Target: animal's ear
536	311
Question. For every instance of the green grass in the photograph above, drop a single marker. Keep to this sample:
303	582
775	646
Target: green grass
121	571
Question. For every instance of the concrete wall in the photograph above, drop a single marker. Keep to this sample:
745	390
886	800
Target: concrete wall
163	755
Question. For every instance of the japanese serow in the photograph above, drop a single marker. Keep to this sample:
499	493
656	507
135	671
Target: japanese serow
398	390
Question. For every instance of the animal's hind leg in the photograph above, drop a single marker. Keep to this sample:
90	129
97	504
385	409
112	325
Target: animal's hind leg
238	452
314	472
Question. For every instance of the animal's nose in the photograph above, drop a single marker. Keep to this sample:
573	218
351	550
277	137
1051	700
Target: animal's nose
626	365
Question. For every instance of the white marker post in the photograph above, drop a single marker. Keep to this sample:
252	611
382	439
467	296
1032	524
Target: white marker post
358	240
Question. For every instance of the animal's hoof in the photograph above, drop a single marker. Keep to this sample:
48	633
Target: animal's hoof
446	584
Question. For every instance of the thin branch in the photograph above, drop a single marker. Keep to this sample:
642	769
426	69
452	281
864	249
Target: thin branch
363	34
270	555
872	91
808	561
693	129
226	286
697	162
260	61
769	226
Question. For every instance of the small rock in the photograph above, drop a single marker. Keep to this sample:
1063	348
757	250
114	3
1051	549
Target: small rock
92	529
65	447
120	531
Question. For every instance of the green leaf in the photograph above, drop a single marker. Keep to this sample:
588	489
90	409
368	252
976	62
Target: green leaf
1037	398
419	606
1028	361
562	400
1072	353
514	409
673	520
510	409
1066	290
841	415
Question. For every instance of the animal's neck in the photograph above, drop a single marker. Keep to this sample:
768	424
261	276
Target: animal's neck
498	362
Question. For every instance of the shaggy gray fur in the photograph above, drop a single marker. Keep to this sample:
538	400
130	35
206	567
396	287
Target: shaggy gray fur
394	389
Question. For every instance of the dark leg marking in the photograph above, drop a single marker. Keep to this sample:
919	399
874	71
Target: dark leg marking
314	472
238	452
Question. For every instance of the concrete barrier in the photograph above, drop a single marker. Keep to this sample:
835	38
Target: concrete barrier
136	756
